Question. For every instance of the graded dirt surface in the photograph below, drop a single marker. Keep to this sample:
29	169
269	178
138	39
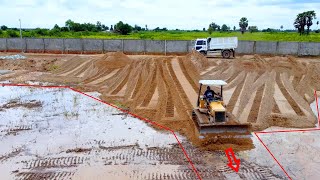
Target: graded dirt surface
262	91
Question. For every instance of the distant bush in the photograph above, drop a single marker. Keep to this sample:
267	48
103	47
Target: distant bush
317	31
1	32
12	33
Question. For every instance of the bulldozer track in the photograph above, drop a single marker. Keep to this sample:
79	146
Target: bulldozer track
60	162
186	74
44	176
151	90
172	156
286	94
253	115
179	88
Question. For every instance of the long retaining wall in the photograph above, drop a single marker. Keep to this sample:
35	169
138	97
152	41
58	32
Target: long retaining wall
94	46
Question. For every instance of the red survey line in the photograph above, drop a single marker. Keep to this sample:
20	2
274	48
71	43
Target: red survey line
123	110
317	105
273	156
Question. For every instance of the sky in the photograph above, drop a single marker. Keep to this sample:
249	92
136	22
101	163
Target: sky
180	14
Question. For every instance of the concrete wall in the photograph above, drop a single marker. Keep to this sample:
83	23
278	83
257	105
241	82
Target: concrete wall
177	46
312	49
35	45
73	46
134	46
288	48
265	48
153	46
16	44
245	47
148	46
3	44
54	45
112	45
92	45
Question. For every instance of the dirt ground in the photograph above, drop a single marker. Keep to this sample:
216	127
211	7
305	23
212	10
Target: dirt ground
264	91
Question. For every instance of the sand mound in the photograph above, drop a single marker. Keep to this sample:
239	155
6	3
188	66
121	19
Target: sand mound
113	60
199	61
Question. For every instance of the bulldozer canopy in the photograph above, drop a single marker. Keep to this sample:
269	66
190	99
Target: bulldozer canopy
213	82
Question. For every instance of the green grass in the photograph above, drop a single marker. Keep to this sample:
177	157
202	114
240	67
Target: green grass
178	35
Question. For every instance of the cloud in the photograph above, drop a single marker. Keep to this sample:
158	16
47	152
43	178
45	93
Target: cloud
182	14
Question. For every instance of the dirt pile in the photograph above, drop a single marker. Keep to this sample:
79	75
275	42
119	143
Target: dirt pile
113	60
198	60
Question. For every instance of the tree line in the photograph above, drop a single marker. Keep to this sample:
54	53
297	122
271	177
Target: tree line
302	20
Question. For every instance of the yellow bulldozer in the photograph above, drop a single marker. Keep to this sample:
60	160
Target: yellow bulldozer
211	116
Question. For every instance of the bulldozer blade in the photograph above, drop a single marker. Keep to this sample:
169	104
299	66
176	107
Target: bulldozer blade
223	129
204	126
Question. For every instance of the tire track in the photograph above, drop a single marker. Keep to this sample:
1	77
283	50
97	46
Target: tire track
286	94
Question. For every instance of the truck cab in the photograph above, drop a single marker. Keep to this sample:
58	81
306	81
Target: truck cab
201	45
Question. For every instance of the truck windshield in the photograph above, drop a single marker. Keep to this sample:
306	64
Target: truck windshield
200	42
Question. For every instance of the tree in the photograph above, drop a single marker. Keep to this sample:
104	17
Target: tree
214	26
253	29
243	24
281	27
310	15
317	24
146	27
56	27
137	28
210	30
111	28
69	24
99	26
304	19
234	28
12	33
4	27
122	28
204	29
225	28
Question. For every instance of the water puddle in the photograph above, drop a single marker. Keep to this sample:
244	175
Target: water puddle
59	129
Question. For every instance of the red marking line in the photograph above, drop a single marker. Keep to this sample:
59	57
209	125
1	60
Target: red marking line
123	110
317	105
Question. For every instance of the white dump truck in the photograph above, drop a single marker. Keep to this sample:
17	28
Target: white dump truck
212	46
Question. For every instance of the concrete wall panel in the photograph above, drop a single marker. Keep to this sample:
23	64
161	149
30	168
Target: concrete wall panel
35	45
3	44
16	44
153	46
54	45
286	48
112	45
309	49
92	45
134	46
245	47
266	47
73	45
177	46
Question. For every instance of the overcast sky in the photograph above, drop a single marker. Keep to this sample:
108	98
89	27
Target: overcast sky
181	14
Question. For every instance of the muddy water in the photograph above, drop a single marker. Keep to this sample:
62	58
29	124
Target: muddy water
62	132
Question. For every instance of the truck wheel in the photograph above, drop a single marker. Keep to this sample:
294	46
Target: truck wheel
203	53
226	54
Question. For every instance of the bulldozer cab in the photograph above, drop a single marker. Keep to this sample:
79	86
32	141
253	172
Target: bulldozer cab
210	116
211	83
